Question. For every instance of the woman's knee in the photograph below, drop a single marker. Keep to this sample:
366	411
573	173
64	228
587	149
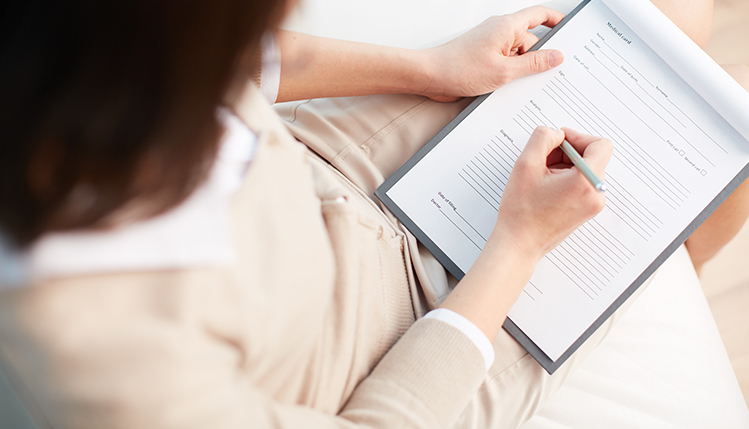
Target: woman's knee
694	17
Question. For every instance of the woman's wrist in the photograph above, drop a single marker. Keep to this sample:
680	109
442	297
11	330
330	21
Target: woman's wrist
524	248
492	285
410	71
433	70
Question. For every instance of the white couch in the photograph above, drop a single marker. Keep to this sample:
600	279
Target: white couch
664	364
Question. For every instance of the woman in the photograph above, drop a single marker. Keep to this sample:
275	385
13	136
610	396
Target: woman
182	261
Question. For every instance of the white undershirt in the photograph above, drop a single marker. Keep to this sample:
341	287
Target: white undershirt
194	234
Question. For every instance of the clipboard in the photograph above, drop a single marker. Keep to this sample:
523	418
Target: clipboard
549	364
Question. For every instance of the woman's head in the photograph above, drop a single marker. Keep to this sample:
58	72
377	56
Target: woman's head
106	105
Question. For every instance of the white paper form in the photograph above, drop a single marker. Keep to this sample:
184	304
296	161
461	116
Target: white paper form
673	153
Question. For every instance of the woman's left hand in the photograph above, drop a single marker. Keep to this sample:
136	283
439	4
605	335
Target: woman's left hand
491	55
480	61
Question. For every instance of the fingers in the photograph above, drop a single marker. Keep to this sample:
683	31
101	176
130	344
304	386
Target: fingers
541	206
596	151
539	146
533	62
527	42
538	15
578	140
539	61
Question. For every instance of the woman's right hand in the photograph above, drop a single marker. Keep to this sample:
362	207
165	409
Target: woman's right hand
545	200
546	197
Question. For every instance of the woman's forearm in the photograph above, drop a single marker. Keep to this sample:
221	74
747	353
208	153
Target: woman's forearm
314	67
478	62
492	285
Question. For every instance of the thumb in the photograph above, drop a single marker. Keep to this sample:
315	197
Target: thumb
534	62
540	144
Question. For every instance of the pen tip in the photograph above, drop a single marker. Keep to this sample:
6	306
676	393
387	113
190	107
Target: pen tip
602	187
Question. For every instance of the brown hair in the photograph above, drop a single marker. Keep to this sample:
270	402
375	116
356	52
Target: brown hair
108	105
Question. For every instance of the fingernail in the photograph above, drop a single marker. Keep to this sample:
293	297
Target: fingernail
555	58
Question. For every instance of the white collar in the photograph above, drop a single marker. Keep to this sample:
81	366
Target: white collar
194	234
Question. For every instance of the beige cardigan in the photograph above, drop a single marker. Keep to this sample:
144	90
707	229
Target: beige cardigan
312	327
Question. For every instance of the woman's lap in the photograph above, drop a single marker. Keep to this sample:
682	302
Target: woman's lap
368	138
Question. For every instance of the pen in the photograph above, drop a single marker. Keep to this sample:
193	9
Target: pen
582	166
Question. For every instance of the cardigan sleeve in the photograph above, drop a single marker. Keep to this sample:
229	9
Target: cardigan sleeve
424	381
478	338
162	375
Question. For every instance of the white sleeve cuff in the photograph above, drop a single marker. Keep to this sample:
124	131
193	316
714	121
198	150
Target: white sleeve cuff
467	327
270	73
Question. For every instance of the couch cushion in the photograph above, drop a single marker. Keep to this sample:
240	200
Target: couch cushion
662	366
